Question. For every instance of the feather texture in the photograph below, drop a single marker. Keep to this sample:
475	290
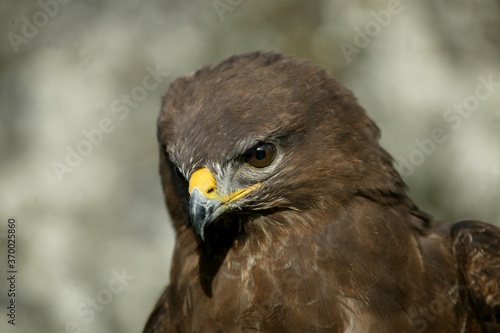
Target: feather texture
330	241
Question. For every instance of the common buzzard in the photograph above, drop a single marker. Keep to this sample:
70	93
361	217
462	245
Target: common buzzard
290	217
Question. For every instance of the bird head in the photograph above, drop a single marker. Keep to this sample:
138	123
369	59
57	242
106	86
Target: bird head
263	132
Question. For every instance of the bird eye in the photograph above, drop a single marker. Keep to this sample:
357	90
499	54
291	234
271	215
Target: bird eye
179	173
261	155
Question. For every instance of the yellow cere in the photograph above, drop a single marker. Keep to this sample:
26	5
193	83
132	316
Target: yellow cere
204	181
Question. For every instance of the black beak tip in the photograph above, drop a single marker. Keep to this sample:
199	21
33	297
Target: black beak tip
198	214
202	212
200	231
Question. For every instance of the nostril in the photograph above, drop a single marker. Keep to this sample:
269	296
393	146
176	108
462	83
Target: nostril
204	181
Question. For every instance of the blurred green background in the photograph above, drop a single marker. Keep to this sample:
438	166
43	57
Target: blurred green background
94	240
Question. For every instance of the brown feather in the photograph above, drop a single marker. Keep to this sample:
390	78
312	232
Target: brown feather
476	246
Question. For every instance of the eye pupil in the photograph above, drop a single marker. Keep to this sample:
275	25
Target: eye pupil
261	155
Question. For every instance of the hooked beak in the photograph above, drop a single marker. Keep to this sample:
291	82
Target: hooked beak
205	203
203	211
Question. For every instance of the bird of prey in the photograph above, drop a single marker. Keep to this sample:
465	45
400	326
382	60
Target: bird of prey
289	216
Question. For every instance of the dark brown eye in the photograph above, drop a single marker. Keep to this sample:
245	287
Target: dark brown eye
261	155
179	173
